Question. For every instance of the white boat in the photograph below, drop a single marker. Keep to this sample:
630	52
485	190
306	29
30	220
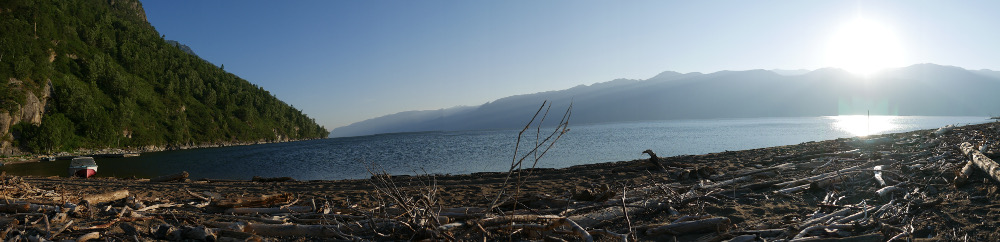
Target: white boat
82	167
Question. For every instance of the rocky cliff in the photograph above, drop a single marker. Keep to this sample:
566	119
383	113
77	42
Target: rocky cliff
30	112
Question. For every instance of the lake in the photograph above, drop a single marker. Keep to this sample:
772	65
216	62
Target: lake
462	152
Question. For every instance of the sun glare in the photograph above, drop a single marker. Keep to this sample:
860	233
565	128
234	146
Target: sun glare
863	125
863	47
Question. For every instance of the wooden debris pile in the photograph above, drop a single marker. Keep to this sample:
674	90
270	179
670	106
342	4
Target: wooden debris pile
883	188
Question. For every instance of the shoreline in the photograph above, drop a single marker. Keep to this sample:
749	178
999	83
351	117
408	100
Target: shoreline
741	188
130	151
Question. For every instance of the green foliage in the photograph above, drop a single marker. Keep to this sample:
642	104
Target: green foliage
56	133
117	83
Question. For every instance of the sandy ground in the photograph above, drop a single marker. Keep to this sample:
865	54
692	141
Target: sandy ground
922	165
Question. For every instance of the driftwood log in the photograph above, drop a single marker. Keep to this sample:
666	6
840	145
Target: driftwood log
172	177
654	160
293	209
105	197
688	227
613	213
962	175
262	201
272	179
980	160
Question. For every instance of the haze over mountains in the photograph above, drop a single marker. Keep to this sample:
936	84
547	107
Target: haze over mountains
922	89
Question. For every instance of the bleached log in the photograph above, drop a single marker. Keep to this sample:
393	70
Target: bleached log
621	237
262	201
171	177
25	207
829	174
743	238
450	226
886	191
294	209
615	212
858	215
827	182
793	189
874	237
878	175
810	222
766	233
63	228
689	227
271	179
981	161
322	231
963	174
524	218
747	177
464	210
105	197
160	205
944	130
88	236
686	218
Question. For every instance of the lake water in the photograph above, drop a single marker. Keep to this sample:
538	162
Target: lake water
462	152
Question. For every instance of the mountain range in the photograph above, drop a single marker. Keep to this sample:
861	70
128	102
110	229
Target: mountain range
922	89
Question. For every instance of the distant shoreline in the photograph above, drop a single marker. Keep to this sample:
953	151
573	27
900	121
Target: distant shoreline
126	152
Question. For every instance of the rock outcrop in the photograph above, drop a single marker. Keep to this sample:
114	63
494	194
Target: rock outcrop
30	112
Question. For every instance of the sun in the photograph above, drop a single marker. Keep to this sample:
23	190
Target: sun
864	46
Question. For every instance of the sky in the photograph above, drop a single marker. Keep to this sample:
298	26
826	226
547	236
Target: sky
342	62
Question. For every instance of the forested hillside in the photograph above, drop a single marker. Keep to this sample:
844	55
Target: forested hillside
95	74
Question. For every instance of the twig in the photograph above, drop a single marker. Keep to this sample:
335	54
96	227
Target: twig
64	227
627	219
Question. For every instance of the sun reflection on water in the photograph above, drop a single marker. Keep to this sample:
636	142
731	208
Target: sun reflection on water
863	125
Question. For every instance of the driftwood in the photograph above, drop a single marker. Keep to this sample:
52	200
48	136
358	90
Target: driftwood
654	161
615	212
767	233
271	179
856	216
172	177
295	209
810	222
562	221
7	221
748	177
820	227
105	197
834	173
794	189
262	201
962	176
688	227
323	231
874	237
89	236
889	190
63	228
981	161
743	238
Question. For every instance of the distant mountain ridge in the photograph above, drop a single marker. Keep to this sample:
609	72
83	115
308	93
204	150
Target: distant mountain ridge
922	89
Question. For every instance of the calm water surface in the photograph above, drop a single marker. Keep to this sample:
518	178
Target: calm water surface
475	151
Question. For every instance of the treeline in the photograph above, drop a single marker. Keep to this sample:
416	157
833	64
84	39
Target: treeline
115	82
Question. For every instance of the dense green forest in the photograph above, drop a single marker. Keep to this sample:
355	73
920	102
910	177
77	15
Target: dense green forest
115	82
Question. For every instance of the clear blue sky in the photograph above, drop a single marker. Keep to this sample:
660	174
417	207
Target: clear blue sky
347	61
